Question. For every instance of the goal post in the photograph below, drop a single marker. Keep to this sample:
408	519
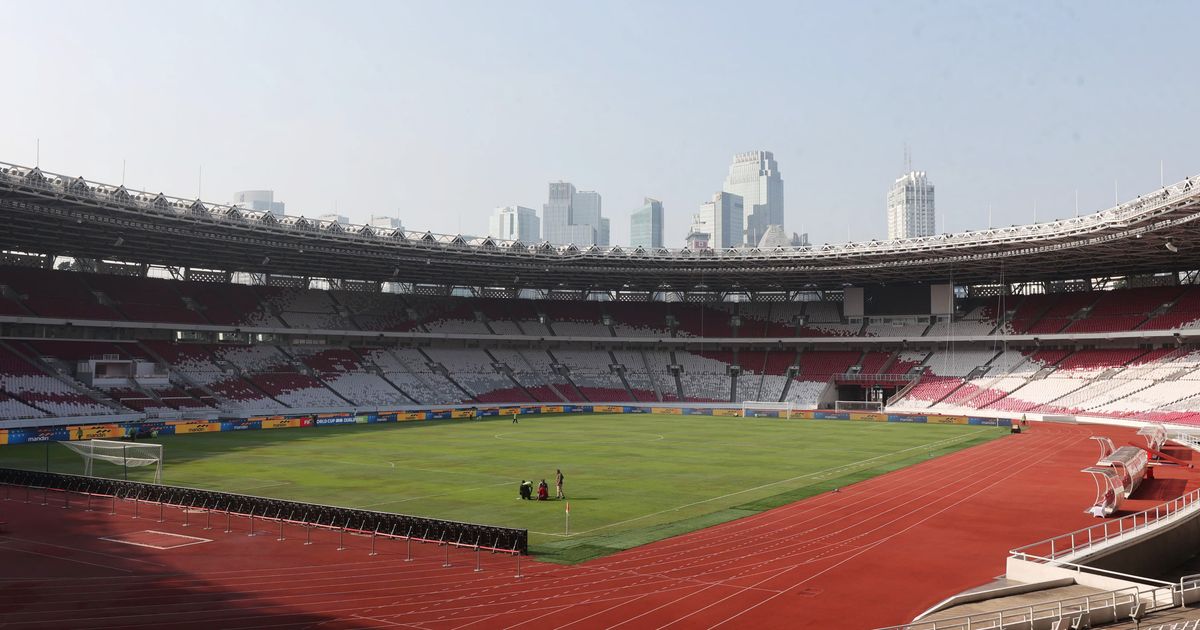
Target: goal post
858	405
758	409
124	454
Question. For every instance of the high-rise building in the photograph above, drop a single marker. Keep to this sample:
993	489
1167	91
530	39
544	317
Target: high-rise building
515	223
556	213
572	216
910	206
334	217
603	234
386	222
754	176
646	224
259	201
721	220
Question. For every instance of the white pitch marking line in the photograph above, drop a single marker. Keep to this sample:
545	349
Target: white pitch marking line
820	474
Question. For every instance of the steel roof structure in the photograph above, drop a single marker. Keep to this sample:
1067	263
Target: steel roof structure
46	213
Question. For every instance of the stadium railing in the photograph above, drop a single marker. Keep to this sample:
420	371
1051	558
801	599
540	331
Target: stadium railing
1071	544
377	524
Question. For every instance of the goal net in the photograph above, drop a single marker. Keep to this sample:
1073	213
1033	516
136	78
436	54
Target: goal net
858	405
125	455
766	409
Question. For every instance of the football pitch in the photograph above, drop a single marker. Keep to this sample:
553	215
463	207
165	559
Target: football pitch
629	479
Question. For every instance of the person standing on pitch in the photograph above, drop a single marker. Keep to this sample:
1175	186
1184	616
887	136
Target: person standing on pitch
514	418
558	479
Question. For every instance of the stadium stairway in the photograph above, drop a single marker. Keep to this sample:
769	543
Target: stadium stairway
507	370
441	369
621	374
59	373
190	385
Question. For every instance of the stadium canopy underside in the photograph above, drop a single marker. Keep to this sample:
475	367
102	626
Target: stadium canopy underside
52	214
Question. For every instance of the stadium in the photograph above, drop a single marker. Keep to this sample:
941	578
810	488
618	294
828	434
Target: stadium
215	417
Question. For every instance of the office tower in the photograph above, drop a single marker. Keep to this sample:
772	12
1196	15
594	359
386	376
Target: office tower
910	206
721	220
755	177
259	201
572	216
646	224
515	223
386	222
603	235
334	217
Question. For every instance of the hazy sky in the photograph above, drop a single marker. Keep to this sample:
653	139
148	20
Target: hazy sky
440	111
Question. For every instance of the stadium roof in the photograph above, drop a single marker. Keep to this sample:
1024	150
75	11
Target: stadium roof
54	214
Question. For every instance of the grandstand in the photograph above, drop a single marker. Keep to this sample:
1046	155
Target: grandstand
208	342
173	309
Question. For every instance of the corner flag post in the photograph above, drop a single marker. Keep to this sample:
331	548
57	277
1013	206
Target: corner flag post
568	516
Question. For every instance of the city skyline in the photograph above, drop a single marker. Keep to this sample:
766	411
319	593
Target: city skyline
1009	92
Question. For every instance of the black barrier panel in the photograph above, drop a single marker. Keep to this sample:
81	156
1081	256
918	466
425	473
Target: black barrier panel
449	532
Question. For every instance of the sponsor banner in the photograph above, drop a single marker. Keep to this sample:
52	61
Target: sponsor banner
439	414
326	419
40	434
462	413
196	427
940	419
990	422
279	423
868	416
552	409
508	411
389	416
364	418
692	411
3	437
908	419
97	432
493	412
731	413
575	409
308	421
805	415
335	418
831	415
607	409
405	416
240	425
671	411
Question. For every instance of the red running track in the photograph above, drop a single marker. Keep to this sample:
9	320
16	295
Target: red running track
874	554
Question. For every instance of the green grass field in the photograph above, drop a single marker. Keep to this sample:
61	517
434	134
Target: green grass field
630	479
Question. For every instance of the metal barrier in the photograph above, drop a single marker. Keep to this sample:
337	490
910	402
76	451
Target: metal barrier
1076	542
451	533
1075	612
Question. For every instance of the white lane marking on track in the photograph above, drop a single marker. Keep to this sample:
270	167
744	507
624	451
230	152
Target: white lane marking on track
866	548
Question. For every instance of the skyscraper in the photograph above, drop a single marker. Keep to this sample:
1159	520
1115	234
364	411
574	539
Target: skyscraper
572	216
754	176
515	223
386	222
910	206
646	224
259	201
721	219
